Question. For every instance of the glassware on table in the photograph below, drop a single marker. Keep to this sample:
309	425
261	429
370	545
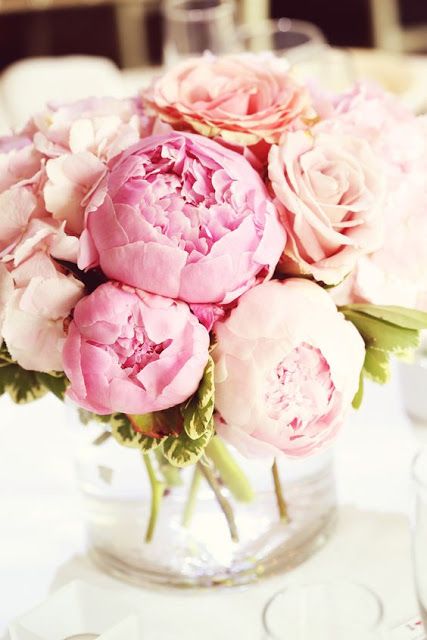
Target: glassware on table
413	383
304	46
195	26
335	610
419	474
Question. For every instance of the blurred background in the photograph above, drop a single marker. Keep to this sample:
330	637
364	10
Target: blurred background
106	27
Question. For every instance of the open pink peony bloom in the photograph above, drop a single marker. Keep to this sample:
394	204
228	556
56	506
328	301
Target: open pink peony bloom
243	99
181	216
132	352
287	368
329	190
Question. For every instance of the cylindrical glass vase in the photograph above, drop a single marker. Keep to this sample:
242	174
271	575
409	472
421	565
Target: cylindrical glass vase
191	545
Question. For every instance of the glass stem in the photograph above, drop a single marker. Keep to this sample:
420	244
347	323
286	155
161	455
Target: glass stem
157	490
231	474
281	502
211	479
192	497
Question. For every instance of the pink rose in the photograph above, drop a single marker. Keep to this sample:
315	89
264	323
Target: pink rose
132	352
287	368
329	190
183	217
242	99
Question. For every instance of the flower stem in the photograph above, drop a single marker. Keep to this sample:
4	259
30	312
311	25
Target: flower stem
222	500
103	437
192	497
281	502
231	474
157	491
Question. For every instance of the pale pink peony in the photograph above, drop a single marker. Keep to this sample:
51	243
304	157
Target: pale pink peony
287	368
330	194
133	352
243	99
181	216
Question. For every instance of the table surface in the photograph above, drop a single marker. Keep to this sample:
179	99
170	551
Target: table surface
42	537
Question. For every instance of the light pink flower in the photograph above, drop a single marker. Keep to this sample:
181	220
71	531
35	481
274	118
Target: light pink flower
243	99
37	295
184	217
287	368
19	160
33	325
132	352
329	190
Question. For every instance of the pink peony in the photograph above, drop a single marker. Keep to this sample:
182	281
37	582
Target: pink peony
287	369
19	161
242	99
181	216
329	189
133	352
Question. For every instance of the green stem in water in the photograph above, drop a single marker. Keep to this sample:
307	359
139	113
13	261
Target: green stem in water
103	437
157	490
281	502
211	479
231	474
192	497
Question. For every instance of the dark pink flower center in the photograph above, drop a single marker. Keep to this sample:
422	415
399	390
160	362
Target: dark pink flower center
299	389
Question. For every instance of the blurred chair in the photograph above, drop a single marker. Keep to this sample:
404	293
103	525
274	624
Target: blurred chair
389	32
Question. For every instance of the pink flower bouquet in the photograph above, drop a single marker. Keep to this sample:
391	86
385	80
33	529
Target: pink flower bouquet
172	263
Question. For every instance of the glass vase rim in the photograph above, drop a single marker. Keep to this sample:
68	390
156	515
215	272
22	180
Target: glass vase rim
374	626
175	10
283	25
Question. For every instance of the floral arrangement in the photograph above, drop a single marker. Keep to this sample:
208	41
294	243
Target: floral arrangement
217	260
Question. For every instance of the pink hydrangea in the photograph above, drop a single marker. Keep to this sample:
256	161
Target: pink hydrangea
133	352
181	216
287	367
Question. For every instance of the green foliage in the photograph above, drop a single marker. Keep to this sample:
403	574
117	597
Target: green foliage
385	330
357	400
197	412
56	383
182	451
123	430
21	385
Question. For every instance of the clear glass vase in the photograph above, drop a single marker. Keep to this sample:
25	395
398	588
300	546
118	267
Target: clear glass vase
201	552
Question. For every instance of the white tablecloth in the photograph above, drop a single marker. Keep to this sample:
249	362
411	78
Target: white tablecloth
42	538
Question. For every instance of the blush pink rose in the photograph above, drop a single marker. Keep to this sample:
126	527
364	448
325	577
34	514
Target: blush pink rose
132	352
330	193
243	99
287	367
181	216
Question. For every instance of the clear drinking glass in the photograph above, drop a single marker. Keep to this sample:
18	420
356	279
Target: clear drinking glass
336	610
419	474
195	26
304	46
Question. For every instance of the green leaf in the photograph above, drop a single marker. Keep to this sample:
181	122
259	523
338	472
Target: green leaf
357	400
125	434
182	451
56	383
400	316
377	365
381	334
21	385
198	411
